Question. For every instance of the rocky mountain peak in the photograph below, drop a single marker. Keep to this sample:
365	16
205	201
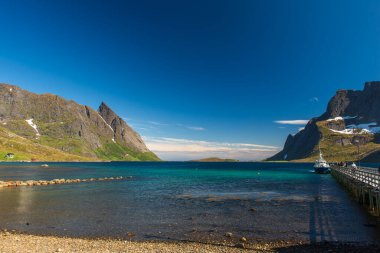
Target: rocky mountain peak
361	103
106	113
372	86
68	126
123	133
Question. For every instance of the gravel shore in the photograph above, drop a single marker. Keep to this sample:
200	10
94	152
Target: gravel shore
10	242
13	242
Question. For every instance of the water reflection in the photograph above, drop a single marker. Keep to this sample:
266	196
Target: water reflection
24	200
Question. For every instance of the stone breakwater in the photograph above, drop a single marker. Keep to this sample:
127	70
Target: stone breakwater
57	181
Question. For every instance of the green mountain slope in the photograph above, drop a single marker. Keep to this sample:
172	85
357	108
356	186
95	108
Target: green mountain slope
27	150
66	126
337	147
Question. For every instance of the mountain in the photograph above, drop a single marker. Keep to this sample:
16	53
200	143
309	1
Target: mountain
71	130
214	159
348	130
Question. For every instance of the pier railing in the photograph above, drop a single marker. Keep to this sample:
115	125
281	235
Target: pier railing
363	183
368	176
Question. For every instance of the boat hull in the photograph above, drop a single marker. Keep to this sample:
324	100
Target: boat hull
322	170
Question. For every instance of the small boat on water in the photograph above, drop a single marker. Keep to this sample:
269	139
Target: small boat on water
321	166
44	165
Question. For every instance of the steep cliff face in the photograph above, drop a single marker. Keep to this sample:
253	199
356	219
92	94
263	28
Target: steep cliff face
123	133
300	145
52	121
351	119
363	104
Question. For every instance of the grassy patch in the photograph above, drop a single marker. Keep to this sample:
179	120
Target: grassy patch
22	128
333	152
115	152
71	145
26	150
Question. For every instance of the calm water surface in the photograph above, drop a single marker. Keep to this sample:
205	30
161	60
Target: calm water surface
184	201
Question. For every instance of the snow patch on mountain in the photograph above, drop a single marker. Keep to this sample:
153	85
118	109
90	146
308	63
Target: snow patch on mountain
106	122
365	128
349	117
335	119
341	118
34	126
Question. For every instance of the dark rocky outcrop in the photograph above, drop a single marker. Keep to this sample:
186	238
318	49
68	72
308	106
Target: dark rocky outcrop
364	104
337	125
343	142
300	145
357	107
123	133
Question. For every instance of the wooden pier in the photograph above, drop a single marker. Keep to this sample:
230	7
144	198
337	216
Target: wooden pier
363	184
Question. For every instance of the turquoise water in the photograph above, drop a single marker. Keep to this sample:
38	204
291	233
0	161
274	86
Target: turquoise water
184	201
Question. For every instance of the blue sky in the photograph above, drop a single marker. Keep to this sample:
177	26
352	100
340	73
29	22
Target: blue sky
195	78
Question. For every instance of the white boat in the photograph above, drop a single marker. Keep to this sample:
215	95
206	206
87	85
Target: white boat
321	166
44	165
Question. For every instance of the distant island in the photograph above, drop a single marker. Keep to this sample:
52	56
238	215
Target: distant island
46	127
214	159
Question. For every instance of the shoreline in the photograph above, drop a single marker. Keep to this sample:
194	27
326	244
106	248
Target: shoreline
10	242
118	161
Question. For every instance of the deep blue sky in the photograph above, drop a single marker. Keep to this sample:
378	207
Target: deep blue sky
216	71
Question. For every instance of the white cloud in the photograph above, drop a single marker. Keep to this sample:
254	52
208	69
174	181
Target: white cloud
142	128
314	99
195	128
155	123
145	125
292	122
185	149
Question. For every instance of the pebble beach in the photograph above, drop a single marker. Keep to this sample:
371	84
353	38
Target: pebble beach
14	242
11	242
